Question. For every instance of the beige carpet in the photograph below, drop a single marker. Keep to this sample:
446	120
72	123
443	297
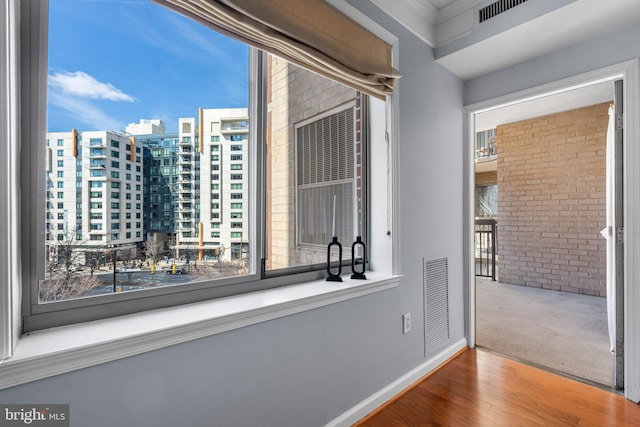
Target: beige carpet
561	331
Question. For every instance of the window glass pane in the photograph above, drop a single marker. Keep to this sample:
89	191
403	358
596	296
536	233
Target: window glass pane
312	161
143	145
487	201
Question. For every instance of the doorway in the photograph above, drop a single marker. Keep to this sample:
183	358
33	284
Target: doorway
535	326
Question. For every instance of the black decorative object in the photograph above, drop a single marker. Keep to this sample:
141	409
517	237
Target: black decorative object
358	274
334	242
334	277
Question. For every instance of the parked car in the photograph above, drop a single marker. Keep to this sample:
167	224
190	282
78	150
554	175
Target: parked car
177	270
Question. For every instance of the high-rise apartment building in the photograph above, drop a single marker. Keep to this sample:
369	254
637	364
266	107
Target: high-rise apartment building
94	189
160	153
212	212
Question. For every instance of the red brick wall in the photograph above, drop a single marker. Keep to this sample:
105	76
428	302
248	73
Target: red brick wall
551	201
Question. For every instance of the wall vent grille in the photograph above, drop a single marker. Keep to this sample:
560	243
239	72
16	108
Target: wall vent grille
496	8
436	303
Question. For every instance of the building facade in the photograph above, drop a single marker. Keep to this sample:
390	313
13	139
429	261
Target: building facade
160	154
94	190
213	178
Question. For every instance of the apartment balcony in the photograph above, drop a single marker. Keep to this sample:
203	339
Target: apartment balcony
486	156
234	126
185	159
186	142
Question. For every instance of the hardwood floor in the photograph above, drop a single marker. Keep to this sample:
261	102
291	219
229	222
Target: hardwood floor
478	388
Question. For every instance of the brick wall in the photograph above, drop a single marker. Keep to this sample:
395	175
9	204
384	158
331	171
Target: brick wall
486	178
294	94
551	201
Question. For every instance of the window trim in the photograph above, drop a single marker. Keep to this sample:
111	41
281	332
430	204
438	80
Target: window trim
37	358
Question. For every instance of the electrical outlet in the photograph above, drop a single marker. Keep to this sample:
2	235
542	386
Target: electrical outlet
406	323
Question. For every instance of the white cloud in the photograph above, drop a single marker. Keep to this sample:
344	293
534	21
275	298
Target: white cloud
83	111
83	85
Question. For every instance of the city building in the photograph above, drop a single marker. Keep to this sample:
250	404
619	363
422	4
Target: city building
212	213
93	190
160	154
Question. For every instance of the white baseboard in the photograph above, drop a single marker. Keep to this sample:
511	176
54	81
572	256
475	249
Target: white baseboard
382	396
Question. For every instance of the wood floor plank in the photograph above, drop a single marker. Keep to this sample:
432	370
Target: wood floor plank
478	388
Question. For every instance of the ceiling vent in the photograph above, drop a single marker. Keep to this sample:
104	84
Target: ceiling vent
496	8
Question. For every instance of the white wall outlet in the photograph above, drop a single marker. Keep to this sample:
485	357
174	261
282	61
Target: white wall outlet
406	323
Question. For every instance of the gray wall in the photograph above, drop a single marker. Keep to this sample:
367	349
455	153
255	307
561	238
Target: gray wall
309	368
609	49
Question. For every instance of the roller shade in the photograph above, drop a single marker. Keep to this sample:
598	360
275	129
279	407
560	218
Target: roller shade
309	33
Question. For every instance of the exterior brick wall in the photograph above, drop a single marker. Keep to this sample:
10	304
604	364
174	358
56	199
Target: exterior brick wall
294	94
551	201
486	178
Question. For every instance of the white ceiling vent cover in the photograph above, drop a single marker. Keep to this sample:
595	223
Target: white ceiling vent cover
436	303
496	8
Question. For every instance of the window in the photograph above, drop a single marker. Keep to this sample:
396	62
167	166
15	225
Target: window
183	199
329	177
487	201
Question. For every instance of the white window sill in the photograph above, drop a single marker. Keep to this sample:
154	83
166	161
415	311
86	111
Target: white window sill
55	351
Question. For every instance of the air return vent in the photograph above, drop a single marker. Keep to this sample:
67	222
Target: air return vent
436	303
496	8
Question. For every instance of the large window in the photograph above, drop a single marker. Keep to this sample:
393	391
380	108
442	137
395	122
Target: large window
315	153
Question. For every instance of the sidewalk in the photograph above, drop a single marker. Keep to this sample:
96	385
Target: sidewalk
558	330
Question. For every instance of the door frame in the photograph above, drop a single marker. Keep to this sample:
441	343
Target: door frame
629	72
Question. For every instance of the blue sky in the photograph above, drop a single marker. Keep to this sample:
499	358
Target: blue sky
113	62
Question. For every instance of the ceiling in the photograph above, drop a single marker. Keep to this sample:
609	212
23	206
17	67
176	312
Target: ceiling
576	21
473	53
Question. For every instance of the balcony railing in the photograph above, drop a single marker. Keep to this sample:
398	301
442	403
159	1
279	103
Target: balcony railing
486	250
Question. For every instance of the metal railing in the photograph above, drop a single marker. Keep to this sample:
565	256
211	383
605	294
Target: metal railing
486	249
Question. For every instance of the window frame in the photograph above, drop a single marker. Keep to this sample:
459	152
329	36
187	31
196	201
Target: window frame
36	316
56	351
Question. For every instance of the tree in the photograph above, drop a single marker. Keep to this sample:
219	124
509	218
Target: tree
64	262
153	249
